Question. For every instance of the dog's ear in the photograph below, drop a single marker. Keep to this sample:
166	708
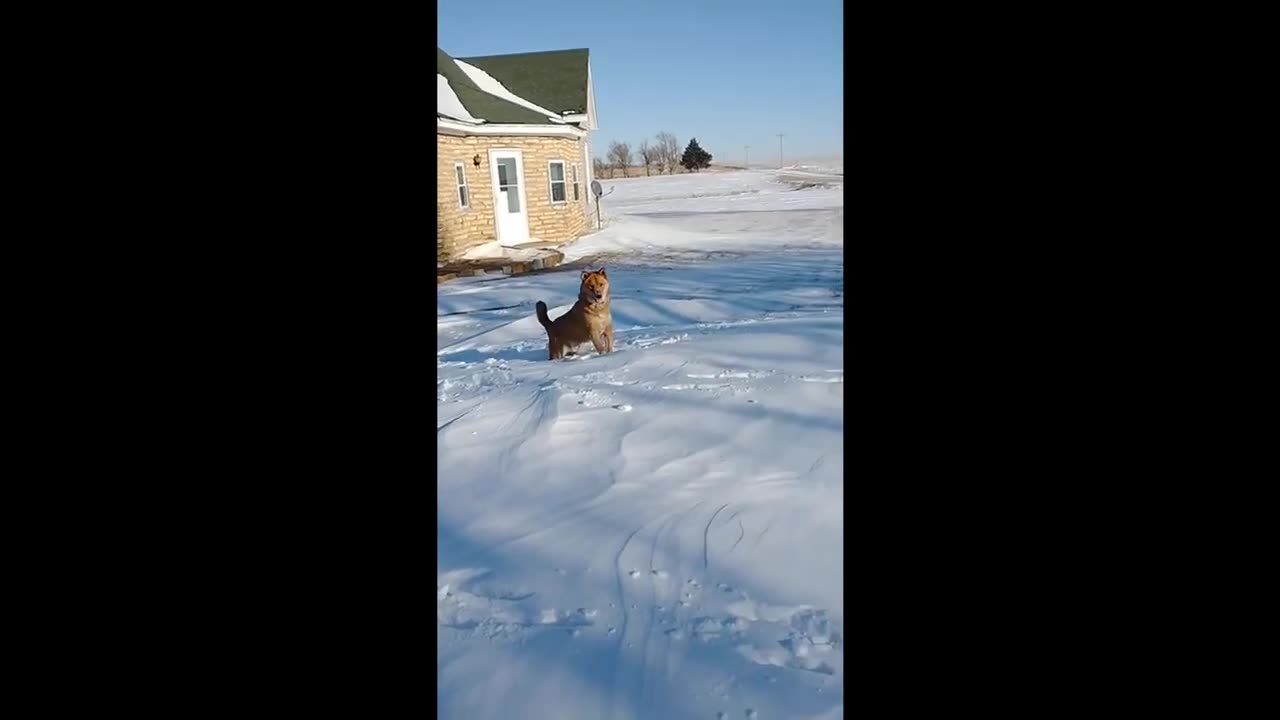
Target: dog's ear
602	272
585	273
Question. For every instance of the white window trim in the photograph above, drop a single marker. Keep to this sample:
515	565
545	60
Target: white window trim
465	184
564	173
577	184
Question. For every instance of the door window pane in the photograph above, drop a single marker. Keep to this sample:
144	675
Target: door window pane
508	184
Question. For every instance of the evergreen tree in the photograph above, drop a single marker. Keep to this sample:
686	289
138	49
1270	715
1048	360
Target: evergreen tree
695	158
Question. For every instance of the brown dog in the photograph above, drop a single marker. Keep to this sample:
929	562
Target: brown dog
588	319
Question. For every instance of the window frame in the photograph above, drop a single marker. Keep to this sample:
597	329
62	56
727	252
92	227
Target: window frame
564	181
464	185
577	195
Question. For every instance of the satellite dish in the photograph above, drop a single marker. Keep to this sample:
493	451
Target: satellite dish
595	188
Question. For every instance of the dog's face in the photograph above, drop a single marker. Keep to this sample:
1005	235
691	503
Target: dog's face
595	286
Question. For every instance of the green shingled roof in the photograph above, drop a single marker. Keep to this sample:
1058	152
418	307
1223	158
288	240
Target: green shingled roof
480	103
556	79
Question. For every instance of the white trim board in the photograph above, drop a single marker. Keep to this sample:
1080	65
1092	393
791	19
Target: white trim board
592	124
452	127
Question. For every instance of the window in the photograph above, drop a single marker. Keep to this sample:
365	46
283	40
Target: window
463	200
509	183
557	181
575	181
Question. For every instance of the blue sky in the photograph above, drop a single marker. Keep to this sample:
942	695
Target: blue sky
729	73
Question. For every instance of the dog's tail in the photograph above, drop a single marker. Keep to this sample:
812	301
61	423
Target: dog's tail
542	314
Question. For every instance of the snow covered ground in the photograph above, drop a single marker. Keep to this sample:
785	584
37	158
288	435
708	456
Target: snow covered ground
653	533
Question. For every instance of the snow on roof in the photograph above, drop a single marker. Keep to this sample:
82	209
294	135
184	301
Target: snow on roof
447	102
489	84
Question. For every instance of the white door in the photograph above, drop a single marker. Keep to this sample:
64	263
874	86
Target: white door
511	216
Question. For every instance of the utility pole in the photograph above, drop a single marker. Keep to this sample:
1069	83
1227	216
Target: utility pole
747	149
779	150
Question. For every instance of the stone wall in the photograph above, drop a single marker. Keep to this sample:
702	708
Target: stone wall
441	248
459	229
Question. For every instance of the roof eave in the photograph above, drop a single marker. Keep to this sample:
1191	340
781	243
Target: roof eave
449	126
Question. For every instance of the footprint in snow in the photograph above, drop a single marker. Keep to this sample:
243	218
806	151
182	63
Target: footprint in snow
496	613
812	642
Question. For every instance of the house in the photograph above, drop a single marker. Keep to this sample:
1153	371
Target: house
515	128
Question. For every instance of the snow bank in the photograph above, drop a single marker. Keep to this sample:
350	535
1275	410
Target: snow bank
493	251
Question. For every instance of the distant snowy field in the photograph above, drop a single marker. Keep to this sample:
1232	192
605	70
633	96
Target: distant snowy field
653	533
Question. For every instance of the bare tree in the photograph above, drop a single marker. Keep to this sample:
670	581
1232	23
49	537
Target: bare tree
620	155
597	166
649	155
668	151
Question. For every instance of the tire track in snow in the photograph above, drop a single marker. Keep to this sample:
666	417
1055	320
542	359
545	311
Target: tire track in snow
479	310
817	463
619	708
660	575
455	419
706	564
676	556
453	347
768	524
561	518
653	618
741	532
